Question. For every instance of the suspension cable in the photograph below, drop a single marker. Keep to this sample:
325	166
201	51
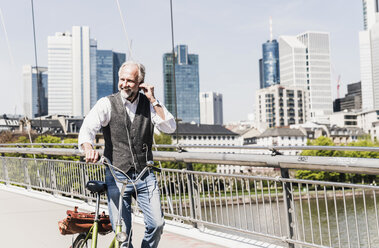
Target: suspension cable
39	80
130	56
173	71
6	38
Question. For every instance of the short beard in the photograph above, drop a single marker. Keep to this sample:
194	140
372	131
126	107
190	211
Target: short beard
128	96
125	94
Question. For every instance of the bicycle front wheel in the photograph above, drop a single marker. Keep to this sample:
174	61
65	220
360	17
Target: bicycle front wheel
80	241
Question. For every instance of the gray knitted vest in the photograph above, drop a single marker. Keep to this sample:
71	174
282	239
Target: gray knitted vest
141	133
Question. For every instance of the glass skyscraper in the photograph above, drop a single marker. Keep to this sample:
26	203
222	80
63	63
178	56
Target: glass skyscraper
187	84
108	64
269	67
30	97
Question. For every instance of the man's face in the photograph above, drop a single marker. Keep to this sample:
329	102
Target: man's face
128	82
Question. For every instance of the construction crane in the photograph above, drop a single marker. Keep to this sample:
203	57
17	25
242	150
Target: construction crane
338	86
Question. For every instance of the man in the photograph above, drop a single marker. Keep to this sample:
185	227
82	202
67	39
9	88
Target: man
128	118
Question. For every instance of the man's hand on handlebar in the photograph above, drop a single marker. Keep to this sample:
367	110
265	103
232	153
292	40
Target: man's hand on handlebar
92	155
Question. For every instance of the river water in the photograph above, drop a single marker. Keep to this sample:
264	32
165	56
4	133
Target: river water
343	231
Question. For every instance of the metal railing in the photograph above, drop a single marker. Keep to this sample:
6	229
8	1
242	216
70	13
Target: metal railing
180	147
287	211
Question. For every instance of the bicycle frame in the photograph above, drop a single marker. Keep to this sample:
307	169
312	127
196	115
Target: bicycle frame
93	232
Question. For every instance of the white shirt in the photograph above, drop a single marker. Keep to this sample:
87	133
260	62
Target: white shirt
100	115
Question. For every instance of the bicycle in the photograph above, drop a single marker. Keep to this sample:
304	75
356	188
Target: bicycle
99	187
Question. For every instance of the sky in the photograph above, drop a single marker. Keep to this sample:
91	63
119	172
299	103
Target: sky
227	36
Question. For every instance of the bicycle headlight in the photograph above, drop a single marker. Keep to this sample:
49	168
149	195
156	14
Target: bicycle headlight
121	236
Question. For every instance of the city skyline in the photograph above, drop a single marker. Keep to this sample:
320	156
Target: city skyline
230	31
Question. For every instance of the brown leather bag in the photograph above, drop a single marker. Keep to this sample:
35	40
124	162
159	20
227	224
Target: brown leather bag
79	222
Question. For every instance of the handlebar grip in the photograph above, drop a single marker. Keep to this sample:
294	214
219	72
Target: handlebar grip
156	169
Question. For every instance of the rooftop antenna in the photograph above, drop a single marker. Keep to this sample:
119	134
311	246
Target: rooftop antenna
270	28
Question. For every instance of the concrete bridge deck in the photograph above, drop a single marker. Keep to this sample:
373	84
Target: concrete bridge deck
29	219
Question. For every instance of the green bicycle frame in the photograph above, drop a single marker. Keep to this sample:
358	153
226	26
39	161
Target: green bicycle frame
95	227
95	230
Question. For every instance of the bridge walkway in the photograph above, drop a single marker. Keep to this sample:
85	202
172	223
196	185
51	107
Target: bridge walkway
29	220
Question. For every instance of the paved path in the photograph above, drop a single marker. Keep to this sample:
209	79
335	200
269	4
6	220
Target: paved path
31	222
30	219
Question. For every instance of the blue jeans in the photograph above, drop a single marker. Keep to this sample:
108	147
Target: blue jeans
148	199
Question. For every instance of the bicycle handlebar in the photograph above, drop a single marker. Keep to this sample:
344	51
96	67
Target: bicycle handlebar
149	165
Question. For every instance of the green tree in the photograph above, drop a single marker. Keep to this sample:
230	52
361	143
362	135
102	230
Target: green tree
335	176
321	175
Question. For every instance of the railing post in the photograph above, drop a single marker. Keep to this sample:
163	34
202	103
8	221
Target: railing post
26	174
5	171
190	194
53	178
287	204
84	178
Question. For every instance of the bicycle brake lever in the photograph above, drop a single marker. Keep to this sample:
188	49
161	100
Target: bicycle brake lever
156	169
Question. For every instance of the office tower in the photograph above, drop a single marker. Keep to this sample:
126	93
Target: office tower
279	106
211	108
369	55
305	63
352	100
108	64
370	8
261	84
187	84
72	72
270	64
30	97
269	73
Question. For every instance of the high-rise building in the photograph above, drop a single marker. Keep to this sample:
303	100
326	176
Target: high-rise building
72	72
270	64
108	64
305	62
369	55
211	108
269	72
279	106
370	8
30	97
352	100
187	84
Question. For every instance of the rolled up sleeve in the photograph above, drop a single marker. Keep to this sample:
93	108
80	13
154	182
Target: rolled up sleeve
98	117
168	125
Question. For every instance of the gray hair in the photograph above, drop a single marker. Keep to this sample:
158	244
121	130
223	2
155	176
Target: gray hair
141	69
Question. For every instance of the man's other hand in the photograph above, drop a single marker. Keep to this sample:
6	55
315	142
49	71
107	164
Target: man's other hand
92	155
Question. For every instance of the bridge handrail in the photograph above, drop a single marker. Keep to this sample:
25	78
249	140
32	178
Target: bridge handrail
333	164
180	147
